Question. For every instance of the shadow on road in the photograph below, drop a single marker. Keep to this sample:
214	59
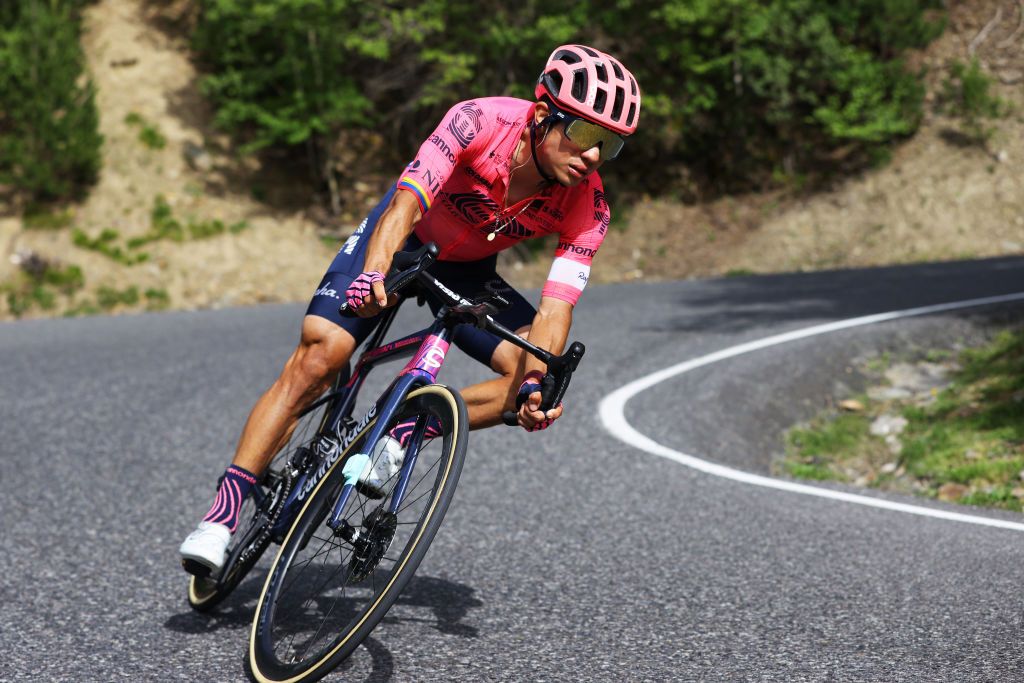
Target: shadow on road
741	303
450	602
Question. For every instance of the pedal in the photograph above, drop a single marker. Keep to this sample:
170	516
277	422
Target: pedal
196	569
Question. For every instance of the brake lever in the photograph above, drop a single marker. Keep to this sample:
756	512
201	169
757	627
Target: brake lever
555	381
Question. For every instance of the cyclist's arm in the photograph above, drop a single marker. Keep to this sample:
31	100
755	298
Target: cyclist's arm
550	330
454	138
570	271
389	236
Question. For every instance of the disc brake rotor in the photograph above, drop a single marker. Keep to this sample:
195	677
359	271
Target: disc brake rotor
368	551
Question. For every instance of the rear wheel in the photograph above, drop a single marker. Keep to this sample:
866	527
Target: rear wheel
328	589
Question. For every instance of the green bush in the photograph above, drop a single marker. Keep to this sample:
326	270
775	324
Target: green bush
734	90
966	95
49	138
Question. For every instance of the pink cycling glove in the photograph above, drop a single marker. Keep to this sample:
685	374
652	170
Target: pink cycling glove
361	288
531	384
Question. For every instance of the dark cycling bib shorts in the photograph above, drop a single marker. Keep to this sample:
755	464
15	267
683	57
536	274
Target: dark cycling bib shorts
466	278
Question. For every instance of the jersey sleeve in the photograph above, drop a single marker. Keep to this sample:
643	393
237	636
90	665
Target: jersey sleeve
456	138
586	225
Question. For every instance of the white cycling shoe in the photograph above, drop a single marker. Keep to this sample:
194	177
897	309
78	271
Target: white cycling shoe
205	549
385	462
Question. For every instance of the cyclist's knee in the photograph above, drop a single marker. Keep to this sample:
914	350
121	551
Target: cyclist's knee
322	352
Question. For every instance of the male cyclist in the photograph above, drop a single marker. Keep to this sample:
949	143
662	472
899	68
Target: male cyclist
495	171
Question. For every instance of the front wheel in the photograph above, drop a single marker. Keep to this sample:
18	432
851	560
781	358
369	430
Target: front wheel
325	594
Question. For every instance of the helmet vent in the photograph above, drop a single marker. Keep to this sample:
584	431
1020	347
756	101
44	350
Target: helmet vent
568	57
579	86
602	73
600	100
590	52
620	98
632	85
618	70
632	115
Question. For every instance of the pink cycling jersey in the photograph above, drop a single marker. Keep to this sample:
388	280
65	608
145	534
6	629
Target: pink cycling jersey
460	176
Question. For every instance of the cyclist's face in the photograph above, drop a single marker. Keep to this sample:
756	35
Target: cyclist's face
567	163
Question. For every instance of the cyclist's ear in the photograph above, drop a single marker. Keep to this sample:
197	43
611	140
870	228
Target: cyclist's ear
540	112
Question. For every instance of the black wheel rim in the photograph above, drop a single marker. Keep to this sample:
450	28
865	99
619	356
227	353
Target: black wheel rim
318	603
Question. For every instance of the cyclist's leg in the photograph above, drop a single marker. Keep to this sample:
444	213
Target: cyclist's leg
324	349
326	344
487	400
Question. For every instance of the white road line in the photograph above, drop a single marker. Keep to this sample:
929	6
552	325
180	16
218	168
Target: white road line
612	413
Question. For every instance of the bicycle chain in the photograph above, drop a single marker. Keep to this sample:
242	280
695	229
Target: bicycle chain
264	537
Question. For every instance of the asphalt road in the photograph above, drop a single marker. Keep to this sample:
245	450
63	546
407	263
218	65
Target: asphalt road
566	555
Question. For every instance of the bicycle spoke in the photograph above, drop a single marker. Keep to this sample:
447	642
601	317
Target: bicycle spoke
332	591
312	639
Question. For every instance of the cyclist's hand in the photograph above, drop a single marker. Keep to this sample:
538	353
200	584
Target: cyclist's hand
366	295
529	415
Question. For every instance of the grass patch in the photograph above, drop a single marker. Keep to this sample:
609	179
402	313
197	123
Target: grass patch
38	218
833	447
738	272
105	244
157	299
40	287
970	434
163	226
879	364
149	133
81	309
966	95
108	297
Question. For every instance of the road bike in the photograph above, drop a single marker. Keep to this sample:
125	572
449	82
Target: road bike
347	549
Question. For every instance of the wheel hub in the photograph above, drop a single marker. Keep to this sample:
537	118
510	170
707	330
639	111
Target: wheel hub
370	546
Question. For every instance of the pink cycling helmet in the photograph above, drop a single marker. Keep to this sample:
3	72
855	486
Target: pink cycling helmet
593	85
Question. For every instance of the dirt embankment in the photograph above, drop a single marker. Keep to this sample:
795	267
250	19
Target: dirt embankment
937	199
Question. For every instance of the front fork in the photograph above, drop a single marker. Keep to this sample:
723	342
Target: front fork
358	537
357	462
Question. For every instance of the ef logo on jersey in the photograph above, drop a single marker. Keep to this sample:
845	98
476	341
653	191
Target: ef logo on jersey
466	123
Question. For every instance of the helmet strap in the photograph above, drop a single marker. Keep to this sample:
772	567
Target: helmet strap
533	147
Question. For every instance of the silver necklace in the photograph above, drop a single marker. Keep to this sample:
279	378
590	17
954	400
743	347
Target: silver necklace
501	224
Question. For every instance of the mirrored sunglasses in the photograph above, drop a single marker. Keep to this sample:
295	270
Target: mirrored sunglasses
587	135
